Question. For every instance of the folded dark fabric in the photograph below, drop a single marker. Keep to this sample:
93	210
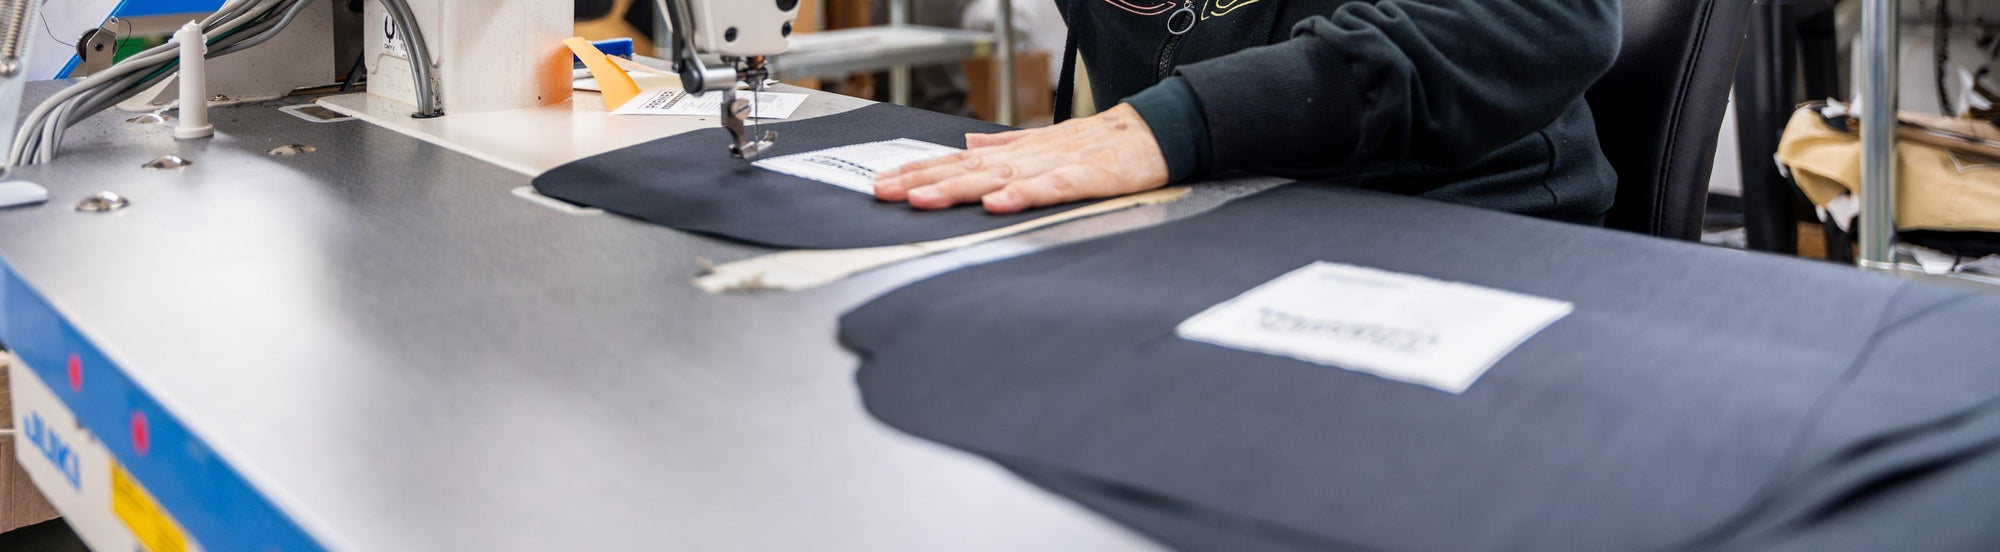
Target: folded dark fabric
1186	526
688	182
1948	505
1905	457
1689	393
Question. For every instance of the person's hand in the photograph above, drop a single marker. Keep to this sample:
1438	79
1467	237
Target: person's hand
1106	155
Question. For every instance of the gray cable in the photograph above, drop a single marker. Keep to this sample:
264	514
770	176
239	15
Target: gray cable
420	57
28	147
269	30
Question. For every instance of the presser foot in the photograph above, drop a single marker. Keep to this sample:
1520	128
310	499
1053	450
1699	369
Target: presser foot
750	149
745	143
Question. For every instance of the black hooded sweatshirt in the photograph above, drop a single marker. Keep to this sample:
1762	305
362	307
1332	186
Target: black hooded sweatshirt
1478	102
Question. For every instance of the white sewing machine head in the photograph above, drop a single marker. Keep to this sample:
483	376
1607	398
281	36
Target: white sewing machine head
743	32
742	28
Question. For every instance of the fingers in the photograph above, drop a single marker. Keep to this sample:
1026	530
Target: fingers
996	173
895	185
1093	157
1055	187
933	162
976	141
972	141
966	188
1007	165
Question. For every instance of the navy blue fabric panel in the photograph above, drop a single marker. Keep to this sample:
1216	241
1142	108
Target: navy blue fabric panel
688	182
1670	405
1905	458
1178	525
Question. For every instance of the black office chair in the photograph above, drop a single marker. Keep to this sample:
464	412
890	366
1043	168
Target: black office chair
1659	110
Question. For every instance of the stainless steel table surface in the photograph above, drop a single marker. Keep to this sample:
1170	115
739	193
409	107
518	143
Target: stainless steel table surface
877	49
403	355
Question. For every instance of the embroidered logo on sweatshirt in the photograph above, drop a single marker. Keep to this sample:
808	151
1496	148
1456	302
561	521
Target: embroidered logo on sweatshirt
1219	8
1142	9
1210	8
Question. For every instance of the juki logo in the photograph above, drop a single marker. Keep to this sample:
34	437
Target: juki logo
53	448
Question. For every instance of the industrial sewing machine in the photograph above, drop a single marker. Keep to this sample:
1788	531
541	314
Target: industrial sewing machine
500	61
743	33
480	66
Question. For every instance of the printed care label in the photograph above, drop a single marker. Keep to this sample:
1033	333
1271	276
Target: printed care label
1402	327
854	167
674	101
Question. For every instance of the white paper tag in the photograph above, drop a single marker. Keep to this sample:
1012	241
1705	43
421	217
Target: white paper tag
854	167
674	101
1402	327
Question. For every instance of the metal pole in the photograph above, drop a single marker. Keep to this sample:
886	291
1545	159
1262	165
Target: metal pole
899	76
663	34
1005	28
1879	82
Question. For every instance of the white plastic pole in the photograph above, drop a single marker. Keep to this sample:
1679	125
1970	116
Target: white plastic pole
194	84
1004	27
899	76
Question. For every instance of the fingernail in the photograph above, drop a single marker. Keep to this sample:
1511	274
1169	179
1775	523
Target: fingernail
924	194
1000	200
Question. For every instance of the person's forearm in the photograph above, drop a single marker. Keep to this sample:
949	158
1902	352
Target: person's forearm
1174	114
1436	82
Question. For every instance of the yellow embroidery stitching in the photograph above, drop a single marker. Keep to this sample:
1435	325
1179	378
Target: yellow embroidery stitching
1219	8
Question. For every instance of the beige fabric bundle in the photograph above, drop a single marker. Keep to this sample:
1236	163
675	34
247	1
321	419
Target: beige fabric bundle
1937	189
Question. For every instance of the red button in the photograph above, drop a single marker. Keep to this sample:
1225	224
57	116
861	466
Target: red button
75	372
142	440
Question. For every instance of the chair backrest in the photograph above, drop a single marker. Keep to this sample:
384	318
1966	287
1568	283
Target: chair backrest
1660	108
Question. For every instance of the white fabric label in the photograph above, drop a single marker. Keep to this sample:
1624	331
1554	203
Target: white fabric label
674	101
854	167
1402	327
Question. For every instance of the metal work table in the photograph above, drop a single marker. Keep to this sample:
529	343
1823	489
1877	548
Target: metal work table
842	52
898	46
395	352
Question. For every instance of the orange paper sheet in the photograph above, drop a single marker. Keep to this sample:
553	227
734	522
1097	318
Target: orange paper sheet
617	86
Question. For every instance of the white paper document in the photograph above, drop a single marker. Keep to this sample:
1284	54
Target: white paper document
854	167
1402	327
674	101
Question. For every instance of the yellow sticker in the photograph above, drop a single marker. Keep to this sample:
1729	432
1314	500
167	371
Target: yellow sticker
156	530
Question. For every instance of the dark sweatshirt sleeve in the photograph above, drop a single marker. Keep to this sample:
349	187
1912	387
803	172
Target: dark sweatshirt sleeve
1435	82
1172	112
